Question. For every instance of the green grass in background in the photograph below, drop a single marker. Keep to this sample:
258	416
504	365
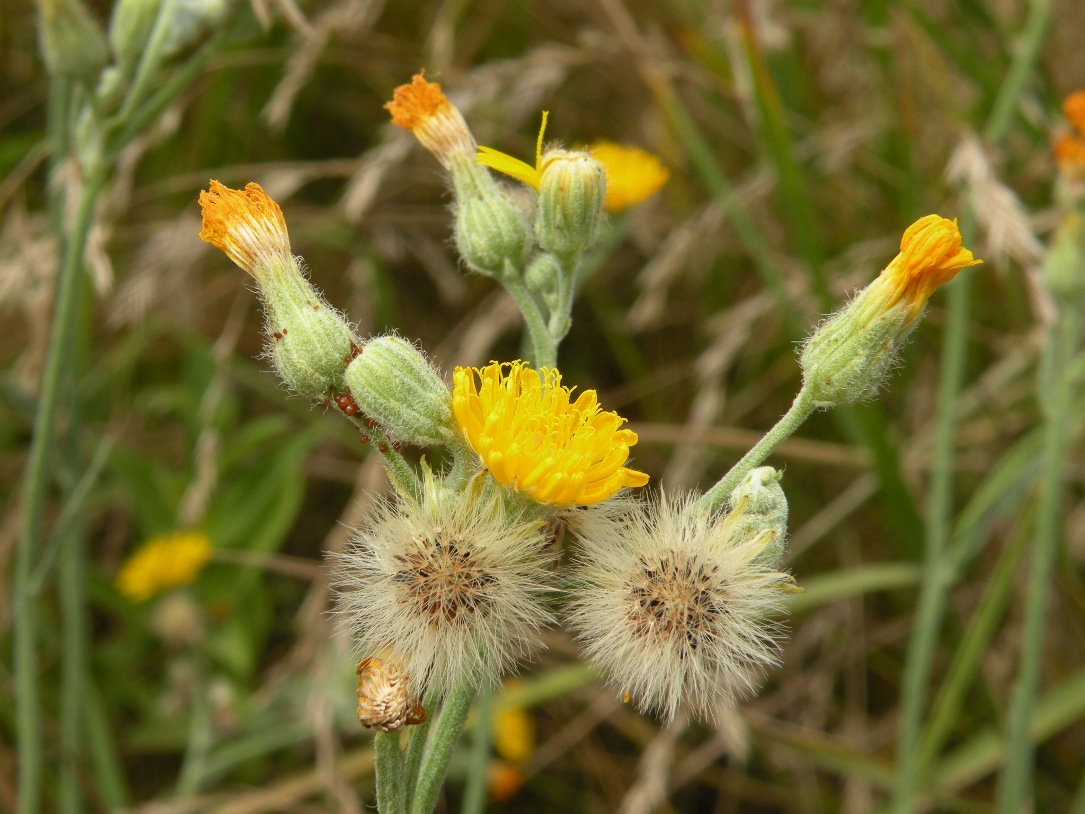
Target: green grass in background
802	138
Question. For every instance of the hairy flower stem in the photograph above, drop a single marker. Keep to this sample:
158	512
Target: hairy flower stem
442	740
544	349
474	796
390	774
25	621
800	410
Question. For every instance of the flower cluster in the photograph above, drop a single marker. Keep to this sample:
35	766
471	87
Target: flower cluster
677	600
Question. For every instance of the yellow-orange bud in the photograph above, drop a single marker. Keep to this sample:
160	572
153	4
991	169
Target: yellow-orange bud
424	110
849	357
246	224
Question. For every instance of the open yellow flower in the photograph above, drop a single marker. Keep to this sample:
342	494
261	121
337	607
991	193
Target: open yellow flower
163	563
930	256
424	110
633	175
245	224
535	440
520	170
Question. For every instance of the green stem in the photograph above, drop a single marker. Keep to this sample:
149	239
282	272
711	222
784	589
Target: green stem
932	597
390	775
446	731
35	482
72	584
403	477
543	347
561	318
1014	87
474	796
200	735
1057	396
800	410
416	747
974	646
936	584
149	63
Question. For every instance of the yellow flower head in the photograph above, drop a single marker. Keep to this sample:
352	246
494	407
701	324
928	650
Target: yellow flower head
930	255
246	224
520	170
162	563
536	441
1069	148
424	110
633	175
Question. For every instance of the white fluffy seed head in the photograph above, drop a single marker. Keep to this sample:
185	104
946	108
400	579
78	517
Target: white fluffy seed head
453	587
673	607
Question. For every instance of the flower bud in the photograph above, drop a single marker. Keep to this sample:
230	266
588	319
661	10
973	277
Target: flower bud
385	698
848	358
71	41
1064	264
759	511
572	186
309	341
129	30
491	230
422	109
397	386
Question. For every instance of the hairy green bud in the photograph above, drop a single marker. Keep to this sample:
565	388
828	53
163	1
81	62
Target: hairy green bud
396	385
491	230
72	43
850	356
759	510
310	342
572	186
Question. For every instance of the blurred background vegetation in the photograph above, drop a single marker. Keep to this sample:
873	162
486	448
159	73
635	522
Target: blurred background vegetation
802	138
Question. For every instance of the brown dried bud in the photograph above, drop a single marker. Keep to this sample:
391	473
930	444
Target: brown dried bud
385	700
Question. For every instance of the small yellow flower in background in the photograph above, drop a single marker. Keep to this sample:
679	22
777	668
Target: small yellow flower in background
633	175
247	225
162	563
424	110
536	441
930	256
520	170
514	732
514	742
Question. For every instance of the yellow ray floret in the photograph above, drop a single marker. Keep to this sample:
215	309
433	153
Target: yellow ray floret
633	175
534	439
162	563
520	170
